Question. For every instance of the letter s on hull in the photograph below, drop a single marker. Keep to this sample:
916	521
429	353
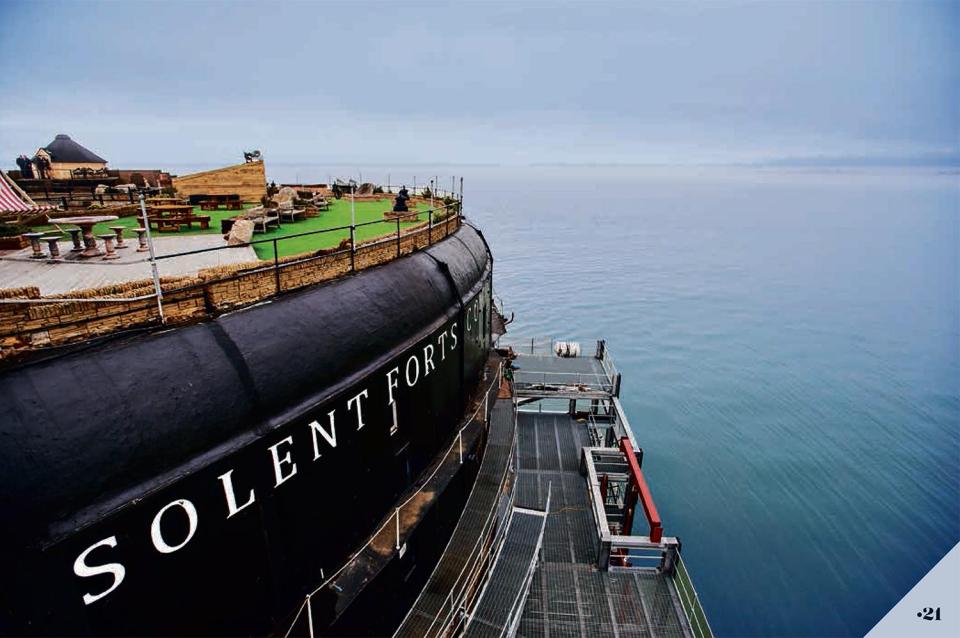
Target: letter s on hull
81	569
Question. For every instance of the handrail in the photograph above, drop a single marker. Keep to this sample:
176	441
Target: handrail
689	598
267	264
471	561
457	443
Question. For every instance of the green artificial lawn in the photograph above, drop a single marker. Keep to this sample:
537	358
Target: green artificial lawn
338	215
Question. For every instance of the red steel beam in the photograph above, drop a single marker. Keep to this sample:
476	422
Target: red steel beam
646	498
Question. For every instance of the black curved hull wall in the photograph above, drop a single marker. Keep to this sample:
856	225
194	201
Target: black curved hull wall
203	480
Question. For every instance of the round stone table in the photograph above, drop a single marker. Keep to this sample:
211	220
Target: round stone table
86	225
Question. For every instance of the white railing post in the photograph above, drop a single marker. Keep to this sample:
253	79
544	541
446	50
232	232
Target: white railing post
398	529
309	616
153	259
460	439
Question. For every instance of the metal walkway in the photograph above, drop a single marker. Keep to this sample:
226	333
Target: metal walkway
569	595
546	546
502	601
540	374
454	584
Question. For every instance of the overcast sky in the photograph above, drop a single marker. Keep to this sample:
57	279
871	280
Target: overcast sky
493	82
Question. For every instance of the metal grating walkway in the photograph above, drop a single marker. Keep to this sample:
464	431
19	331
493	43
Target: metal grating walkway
440	599
549	375
502	600
569	596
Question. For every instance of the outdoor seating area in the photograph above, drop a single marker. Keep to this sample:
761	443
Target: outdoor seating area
171	217
99	271
116	234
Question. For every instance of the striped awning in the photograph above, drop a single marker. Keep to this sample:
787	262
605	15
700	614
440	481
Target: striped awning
12	202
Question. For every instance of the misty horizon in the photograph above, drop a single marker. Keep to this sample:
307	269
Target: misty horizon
735	83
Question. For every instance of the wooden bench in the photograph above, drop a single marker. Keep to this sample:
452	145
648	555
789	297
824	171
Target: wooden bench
209	205
260	224
165	224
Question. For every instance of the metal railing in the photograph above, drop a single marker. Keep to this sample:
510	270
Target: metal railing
619	552
690	601
445	217
391	525
515	610
463	595
582	381
467	591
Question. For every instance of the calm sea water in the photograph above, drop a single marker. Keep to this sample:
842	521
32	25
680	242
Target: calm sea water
791	357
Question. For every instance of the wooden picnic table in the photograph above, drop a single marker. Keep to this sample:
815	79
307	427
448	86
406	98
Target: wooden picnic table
171	209
165	201
173	222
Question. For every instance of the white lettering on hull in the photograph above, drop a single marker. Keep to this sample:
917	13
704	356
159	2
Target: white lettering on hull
231	497
356	401
283	464
416	371
392	384
279	462
157	534
81	569
330	437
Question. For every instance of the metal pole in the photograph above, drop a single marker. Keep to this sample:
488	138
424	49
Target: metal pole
153	259
309	616
398	236
460	439
398	528
353	248
353	205
430	227
276	265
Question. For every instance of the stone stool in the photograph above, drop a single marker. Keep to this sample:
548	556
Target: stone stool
35	244
119	231
75	236
53	243
108	245
142	238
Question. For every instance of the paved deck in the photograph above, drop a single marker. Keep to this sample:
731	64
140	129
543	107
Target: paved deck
17	269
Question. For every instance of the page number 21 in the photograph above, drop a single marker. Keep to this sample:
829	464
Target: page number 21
929	613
